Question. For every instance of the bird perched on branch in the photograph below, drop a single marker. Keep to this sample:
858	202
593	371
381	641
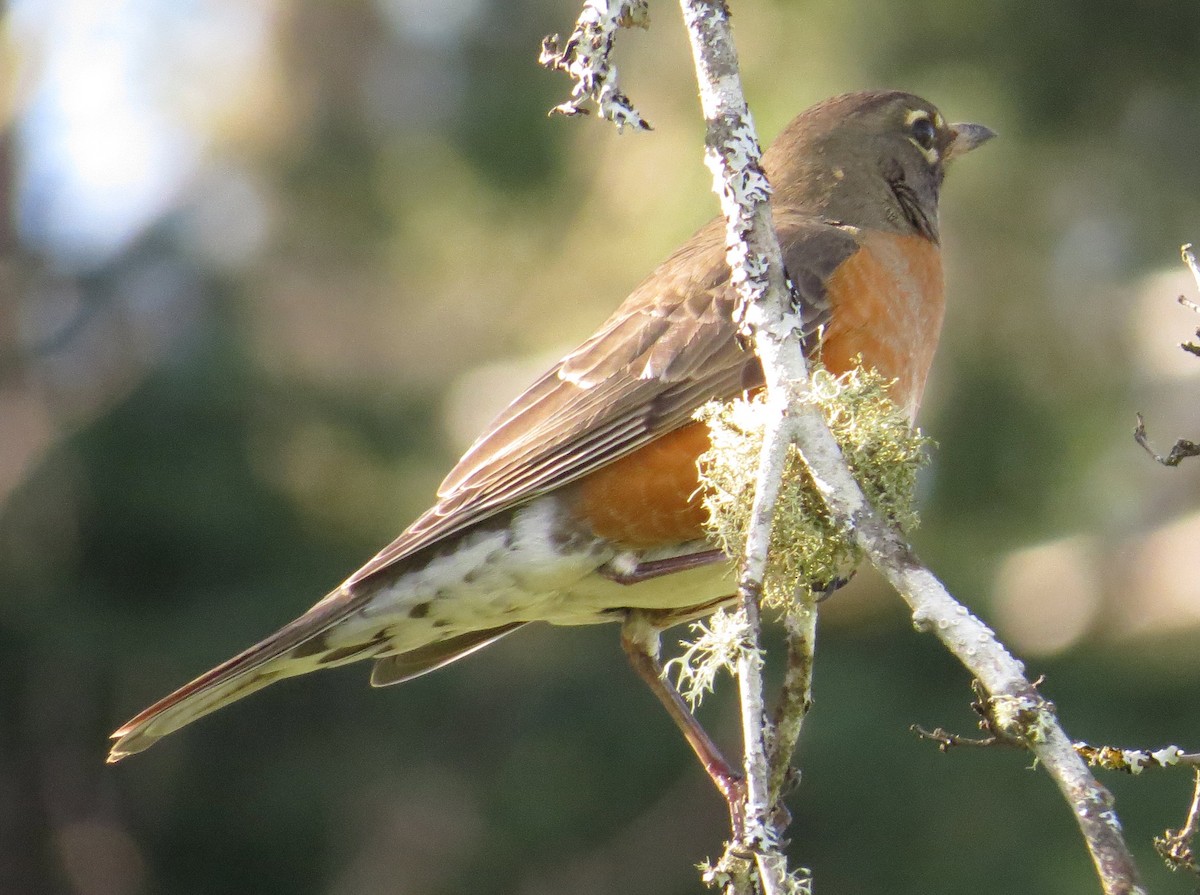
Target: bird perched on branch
579	503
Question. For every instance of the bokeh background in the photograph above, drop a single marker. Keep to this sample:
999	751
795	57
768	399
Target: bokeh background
267	267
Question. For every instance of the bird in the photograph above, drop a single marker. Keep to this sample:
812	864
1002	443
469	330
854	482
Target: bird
580	503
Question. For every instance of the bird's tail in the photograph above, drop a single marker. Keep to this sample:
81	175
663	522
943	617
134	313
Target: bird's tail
305	645
296	648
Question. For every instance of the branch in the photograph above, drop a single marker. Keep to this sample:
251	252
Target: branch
585	59
1020	712
733	154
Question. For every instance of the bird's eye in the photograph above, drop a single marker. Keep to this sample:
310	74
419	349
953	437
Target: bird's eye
924	133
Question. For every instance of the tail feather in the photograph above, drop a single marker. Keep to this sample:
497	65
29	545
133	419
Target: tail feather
397	668
296	648
185	705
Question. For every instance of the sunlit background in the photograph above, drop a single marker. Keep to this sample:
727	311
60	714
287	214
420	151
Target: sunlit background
268	267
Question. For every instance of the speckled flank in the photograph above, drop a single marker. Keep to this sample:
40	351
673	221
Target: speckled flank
535	578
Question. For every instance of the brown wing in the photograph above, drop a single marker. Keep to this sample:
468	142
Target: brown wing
669	348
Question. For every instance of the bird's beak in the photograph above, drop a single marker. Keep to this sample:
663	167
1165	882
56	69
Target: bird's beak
966	138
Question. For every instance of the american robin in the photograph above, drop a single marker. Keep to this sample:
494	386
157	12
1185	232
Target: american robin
579	503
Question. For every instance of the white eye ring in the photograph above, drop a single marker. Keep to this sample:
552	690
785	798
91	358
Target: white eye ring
923	130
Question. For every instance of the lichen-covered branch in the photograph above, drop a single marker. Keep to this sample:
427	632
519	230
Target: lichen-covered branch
1020	711
585	58
733	154
1134	761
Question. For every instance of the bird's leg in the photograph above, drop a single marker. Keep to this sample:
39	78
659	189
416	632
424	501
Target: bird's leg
656	568
640	640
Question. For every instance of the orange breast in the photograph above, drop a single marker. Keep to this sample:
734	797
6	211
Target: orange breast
887	307
648	497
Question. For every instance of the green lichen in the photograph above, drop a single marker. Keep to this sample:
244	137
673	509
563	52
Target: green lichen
808	550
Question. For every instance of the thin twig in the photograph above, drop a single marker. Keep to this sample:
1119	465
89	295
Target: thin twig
1180	450
1190	347
1183	448
946	740
1189	258
1107	758
1175	846
800	623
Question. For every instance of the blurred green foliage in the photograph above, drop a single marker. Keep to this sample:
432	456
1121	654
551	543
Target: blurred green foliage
224	441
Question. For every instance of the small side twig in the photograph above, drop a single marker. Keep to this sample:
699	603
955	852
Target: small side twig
1189	258
997	733
585	59
946	740
1175	846
1180	450
1183	448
